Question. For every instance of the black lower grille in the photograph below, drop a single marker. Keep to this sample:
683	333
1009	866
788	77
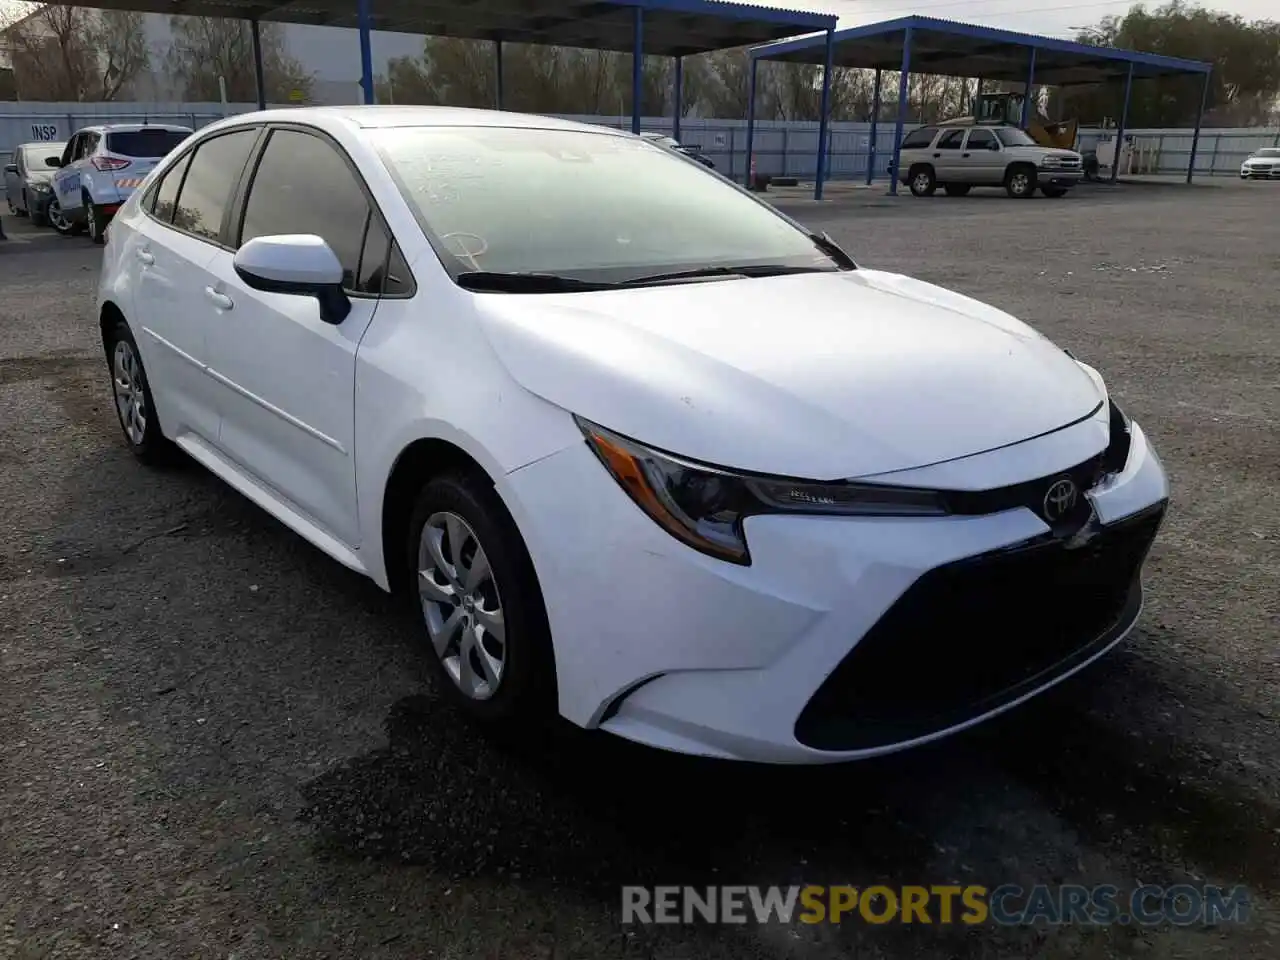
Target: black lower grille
973	635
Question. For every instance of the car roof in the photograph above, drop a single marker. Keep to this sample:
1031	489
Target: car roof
381	116
134	127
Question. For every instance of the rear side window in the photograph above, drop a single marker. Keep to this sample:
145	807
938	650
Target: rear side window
144	143
164	198
919	138
981	139
214	170
950	140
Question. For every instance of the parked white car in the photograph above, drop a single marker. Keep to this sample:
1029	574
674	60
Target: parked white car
642	450
1262	164
100	168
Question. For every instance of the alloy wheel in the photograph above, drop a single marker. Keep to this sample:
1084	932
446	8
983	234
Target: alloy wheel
56	219
922	182
461	605
131	395
1019	183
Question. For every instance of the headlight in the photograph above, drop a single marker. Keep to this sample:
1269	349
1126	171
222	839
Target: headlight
41	187
704	506
1051	162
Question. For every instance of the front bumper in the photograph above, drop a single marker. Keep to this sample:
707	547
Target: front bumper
846	637
1051	177
1260	173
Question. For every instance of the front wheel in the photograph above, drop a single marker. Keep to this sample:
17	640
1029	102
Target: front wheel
480	603
59	220
923	182
1020	182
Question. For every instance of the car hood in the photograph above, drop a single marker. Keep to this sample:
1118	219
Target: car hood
818	376
1049	151
35	177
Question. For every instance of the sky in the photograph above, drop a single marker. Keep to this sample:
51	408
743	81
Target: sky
1056	18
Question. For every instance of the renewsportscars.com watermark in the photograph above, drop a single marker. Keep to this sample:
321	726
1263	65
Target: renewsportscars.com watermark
1006	905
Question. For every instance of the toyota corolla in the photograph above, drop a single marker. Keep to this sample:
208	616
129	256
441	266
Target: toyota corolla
641	450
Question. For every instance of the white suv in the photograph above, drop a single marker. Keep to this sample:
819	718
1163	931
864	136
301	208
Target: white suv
100	167
959	157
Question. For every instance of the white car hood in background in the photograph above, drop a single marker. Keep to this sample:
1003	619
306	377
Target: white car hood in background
818	376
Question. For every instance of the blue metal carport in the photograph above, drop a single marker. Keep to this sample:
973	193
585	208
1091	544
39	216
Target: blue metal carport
948	48
671	28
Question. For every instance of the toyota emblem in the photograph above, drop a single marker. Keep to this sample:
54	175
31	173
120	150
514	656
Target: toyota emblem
1059	499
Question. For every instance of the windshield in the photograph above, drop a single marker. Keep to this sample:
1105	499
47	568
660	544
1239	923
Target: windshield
1013	137
592	206
152	142
34	157
1270	152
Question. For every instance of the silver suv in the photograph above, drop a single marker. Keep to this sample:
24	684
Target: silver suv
957	158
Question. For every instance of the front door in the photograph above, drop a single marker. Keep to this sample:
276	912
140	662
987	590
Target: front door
289	377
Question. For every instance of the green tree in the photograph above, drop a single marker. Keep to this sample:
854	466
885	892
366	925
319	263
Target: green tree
206	48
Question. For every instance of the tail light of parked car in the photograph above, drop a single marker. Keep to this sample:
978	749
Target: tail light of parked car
109	163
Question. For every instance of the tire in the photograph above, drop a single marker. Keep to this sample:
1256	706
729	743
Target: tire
516	692
922	181
1054	192
37	211
1020	181
58	220
95	223
132	398
957	189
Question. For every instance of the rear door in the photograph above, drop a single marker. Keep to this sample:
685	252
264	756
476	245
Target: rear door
177	235
289	378
946	157
982	157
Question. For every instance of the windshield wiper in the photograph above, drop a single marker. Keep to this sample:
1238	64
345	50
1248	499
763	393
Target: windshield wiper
746	270
494	282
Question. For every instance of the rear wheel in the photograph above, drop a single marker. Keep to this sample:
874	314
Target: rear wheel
95	221
922	180
1020	182
957	189
132	394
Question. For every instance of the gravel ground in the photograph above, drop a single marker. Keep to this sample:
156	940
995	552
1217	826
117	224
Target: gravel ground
215	742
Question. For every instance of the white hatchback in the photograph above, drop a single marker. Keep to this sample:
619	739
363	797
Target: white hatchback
644	451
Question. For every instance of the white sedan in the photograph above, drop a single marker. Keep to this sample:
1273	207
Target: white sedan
644	451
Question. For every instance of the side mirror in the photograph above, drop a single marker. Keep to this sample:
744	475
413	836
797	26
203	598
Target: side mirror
53	161
300	264
10	168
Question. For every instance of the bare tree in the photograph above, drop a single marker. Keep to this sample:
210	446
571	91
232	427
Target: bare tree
206	48
72	53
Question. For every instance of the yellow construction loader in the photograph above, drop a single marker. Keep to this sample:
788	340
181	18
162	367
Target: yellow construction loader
1007	108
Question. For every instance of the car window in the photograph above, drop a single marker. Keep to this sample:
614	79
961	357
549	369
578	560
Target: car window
950	140
213	171
70	150
303	185
382	269
592	206
980	140
919	138
1013	137
152	142
163	199
88	143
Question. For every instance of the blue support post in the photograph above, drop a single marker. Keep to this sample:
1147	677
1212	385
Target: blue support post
751	118
824	117
875	129
637	69
497	60
1031	82
1124	121
1195	141
255	37
903	105
365	25
679	98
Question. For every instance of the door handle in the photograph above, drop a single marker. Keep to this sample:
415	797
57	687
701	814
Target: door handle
219	300
937	155
964	154
146	258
